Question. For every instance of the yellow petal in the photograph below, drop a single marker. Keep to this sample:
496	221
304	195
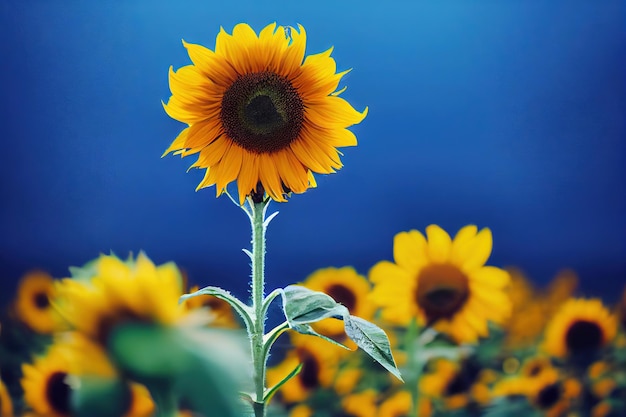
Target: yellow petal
439	244
409	250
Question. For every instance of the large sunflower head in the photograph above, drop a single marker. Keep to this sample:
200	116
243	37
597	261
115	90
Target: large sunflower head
33	304
119	292
260	113
345	286
580	328
443	282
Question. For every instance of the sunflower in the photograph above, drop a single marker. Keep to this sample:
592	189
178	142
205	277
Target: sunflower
46	382
259	112
6	404
319	360
135	290
552	394
454	385
33	306
345	286
46	387
580	327
443	282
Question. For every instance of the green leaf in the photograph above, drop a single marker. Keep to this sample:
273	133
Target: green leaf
304	306
269	392
201	366
373	340
307	329
241	309
100	397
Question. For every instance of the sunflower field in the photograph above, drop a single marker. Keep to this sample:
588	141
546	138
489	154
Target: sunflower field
435	330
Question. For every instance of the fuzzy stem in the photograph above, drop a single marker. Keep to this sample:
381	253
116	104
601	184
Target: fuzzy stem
258	283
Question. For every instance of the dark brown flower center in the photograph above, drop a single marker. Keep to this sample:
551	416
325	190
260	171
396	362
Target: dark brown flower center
549	395
583	336
58	393
41	301
343	295
262	112
309	375
442	290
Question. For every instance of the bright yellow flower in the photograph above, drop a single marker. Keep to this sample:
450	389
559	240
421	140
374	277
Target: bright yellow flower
443	282
579	327
120	292
259	112
33	304
345	286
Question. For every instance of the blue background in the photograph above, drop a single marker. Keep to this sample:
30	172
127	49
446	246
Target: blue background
506	114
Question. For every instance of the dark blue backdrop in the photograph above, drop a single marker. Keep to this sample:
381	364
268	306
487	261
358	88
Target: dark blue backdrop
507	114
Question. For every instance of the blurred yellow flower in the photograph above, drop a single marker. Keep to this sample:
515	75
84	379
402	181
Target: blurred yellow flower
259	112
443	281
579	327
361	404
33	303
46	382
119	292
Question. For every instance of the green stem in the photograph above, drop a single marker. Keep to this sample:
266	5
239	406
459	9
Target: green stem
165	401
415	367
259	358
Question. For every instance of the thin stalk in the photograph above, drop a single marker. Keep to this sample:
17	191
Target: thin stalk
258	287
415	366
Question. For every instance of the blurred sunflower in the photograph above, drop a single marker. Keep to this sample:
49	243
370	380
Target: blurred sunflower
319	361
534	366
6	404
443	282
46	382
361	404
46	387
259	112
301	410
453	385
399	404
553	395
135	290
33	303
345	286
579	327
